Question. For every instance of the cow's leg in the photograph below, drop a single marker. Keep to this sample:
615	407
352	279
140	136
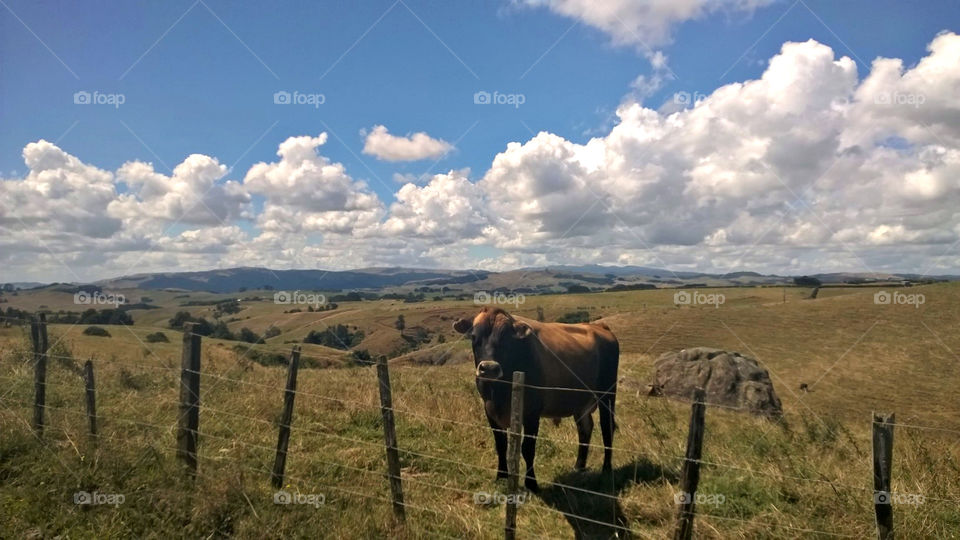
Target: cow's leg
531	427
607	425
584	431
500	441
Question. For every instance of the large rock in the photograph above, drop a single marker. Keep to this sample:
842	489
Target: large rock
729	378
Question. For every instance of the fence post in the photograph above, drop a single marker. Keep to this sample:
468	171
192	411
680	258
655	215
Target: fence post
38	335
390	438
91	399
690	474
283	441
882	460
514	438
189	420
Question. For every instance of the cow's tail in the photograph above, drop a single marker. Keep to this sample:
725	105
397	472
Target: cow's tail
609	368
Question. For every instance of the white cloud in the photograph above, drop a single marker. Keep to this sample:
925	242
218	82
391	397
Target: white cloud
306	192
449	208
383	145
191	194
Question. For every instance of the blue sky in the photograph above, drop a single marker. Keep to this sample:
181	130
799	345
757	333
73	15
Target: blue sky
198	77
203	89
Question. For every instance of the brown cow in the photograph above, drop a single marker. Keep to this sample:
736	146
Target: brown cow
580	357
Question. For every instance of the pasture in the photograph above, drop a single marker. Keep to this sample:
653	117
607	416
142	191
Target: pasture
808	476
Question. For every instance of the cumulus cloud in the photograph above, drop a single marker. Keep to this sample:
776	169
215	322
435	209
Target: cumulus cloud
449	207
190	195
795	160
383	145
306	192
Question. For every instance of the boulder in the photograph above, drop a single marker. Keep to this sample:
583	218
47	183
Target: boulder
729	378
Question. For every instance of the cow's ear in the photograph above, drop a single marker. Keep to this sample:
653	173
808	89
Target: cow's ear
462	326
522	330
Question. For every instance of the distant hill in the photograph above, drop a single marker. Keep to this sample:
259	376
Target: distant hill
233	279
550	279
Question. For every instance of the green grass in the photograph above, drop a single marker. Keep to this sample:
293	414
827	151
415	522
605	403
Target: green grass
810	473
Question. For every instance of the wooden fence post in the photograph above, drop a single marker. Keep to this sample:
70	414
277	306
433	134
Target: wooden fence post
514	440
189	420
91	398
390	438
38	335
690	474
882	461
284	439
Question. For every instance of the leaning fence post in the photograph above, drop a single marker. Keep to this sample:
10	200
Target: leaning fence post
38	335
91	398
690	474
514	438
390	438
283	441
189	420
882	460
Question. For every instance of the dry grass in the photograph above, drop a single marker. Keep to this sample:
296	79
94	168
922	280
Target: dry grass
810	473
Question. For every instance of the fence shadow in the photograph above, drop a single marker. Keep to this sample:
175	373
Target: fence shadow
595	507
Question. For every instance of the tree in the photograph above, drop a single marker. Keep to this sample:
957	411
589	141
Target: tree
249	336
401	323
806	281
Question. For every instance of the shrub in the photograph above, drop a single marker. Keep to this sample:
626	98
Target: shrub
249	336
273	331
337	337
575	317
157	337
96	331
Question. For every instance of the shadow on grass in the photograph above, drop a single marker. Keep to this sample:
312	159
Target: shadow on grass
590	498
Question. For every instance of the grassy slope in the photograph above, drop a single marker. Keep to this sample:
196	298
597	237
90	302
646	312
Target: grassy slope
893	358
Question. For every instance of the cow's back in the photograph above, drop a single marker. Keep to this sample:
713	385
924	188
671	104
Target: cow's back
576	356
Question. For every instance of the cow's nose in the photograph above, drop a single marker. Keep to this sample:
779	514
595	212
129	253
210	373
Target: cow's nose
489	369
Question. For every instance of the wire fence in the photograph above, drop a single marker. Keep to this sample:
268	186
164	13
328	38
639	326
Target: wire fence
214	416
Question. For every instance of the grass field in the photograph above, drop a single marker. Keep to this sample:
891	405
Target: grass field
808	476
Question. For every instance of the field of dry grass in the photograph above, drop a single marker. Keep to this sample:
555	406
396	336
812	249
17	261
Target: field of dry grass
809	476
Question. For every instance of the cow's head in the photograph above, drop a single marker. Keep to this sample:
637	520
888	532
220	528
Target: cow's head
500	343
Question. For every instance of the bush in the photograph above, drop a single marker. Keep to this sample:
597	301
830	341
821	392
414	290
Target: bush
157	337
575	317
273	331
806	281
96	331
337	337
249	336
360	357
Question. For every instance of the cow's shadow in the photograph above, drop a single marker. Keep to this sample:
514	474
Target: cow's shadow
590	499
